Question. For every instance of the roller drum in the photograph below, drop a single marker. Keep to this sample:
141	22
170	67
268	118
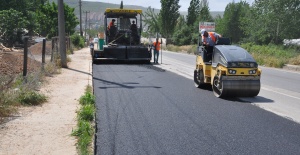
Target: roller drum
237	88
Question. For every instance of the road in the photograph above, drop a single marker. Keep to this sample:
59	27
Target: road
279	92
149	109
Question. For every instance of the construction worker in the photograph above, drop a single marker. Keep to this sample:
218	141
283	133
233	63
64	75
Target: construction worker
209	40
134	32
111	24
133	26
156	46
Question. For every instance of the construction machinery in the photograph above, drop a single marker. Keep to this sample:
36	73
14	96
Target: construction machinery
122	41
229	69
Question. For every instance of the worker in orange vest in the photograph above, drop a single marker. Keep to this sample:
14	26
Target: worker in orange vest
209	38
111	24
156	46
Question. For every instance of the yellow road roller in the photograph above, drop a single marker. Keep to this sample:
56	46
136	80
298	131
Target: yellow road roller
229	69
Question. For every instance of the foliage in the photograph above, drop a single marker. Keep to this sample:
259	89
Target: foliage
193	12
87	98
151	20
48	19
182	35
169	14
77	40
230	24
84	130
272	21
31	98
11	21
87	113
271	55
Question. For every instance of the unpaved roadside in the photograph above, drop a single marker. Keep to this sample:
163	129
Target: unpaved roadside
46	129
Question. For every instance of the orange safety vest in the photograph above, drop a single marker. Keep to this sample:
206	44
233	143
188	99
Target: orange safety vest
110	25
158	45
211	34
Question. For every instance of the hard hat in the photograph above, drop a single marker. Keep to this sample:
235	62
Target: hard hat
202	31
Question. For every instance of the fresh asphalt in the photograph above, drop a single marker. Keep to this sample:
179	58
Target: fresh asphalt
143	109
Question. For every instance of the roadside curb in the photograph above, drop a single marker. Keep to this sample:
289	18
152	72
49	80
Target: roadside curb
291	67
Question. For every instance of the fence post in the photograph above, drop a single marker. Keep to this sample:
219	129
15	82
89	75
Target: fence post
52	41
25	58
43	53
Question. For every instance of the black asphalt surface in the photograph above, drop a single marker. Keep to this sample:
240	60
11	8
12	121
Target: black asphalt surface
142	109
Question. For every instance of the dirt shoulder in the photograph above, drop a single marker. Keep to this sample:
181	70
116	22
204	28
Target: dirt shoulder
46	129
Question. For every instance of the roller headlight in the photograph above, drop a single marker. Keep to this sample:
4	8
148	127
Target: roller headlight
231	71
252	71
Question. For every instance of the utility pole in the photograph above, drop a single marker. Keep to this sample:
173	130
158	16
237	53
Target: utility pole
86	12
80	19
62	33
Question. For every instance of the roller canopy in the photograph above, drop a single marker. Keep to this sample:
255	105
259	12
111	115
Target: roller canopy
232	56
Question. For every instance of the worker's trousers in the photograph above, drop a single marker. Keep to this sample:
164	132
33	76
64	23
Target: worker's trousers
156	54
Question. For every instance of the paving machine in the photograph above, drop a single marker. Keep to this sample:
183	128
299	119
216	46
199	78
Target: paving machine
229	69
122	41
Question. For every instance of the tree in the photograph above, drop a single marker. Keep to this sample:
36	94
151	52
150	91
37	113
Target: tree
47	17
193	12
230	25
11	21
181	34
151	20
272	21
27	11
169	14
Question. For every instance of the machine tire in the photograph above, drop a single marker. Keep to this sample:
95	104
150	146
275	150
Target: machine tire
198	78
217	87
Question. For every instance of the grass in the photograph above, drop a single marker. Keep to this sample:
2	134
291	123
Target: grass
190	49
273	55
85	117
31	98
16	90
266	55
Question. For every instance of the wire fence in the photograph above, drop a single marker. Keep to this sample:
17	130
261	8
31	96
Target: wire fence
19	73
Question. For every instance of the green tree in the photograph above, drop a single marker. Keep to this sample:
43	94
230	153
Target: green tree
169	14
48	19
193	12
272	21
151	20
11	21
27	8
181	34
230	25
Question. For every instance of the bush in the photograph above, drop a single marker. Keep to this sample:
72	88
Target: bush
85	130
77	41
86	113
31	98
272	55
87	98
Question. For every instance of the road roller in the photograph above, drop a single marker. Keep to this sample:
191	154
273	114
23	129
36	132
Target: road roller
229	69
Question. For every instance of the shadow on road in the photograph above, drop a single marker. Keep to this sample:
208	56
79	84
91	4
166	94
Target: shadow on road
126	85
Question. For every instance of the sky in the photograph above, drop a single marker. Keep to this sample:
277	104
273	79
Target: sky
214	5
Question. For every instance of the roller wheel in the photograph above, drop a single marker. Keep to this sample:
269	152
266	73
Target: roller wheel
217	87
198	78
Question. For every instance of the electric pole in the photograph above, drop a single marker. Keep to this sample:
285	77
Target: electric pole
80	19
86	12
62	33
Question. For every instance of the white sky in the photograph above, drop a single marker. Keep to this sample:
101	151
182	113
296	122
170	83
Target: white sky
214	5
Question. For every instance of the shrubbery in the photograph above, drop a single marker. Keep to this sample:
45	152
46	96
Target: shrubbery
77	41
272	55
85	117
